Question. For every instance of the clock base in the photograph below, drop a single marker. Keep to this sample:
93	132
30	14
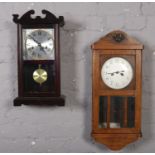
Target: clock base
60	101
117	141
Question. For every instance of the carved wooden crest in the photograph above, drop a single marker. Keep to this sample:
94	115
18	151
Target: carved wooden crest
117	36
117	40
49	19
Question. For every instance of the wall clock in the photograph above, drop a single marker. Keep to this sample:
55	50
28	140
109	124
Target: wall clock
38	59
117	76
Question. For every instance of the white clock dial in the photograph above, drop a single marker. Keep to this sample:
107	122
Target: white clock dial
39	44
117	73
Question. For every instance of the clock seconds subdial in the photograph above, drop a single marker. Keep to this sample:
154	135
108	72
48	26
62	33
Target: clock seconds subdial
117	73
40	45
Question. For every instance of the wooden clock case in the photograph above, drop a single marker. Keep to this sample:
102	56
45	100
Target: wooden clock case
50	97
116	43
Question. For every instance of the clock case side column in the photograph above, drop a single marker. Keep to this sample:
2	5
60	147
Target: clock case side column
57	44
138	91
20	65
95	95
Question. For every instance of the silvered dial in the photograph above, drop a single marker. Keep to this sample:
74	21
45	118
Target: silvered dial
39	45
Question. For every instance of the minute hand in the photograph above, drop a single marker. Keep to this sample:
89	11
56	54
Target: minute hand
34	39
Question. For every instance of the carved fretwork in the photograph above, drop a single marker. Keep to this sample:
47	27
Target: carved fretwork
49	18
117	36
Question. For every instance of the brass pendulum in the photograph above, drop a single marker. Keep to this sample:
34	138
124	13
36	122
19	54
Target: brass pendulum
40	75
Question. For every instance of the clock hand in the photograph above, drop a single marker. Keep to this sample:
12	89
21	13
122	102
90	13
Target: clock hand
34	39
117	72
39	44
42	48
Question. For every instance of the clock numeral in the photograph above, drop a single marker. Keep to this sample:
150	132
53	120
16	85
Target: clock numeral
39	32
34	34
117	84
116	60
127	78
28	44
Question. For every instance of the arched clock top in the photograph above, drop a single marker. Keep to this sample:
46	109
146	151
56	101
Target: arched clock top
49	18
117	40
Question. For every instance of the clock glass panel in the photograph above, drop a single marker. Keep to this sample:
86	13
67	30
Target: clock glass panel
122	113
38	44
39	78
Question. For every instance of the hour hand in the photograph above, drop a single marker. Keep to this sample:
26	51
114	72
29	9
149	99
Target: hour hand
117	72
42	48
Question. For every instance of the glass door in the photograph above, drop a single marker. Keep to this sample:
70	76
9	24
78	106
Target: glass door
116	112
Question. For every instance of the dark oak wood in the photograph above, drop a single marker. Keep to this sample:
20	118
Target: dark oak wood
20	60
116	43
60	101
49	19
27	22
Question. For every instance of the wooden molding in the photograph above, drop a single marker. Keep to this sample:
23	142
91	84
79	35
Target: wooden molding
116	141
116	40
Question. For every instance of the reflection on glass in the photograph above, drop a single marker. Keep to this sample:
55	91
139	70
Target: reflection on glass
122	112
131	112
31	86
102	112
116	112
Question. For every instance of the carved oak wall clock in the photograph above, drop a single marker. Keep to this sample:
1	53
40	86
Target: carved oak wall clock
38	59
116	114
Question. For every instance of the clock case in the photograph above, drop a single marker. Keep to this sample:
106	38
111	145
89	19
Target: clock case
116	135
52	96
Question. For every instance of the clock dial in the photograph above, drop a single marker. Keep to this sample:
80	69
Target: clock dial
39	44
117	73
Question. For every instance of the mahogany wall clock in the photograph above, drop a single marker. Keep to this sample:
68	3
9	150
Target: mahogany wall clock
38	59
117	76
